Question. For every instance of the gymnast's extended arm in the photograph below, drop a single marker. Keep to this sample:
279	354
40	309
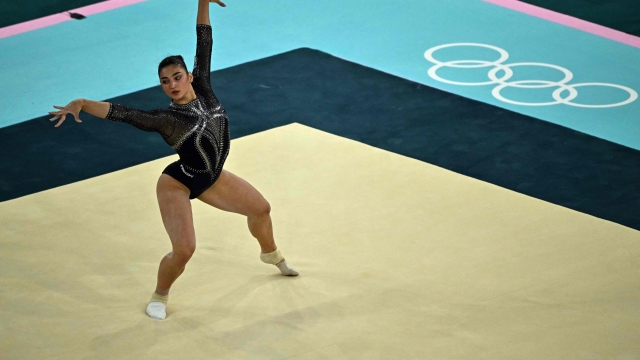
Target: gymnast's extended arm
155	120
96	108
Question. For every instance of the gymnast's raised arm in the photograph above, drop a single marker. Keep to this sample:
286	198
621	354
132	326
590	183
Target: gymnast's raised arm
203	11
202	64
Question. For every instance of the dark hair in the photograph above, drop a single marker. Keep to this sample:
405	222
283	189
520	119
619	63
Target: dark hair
172	60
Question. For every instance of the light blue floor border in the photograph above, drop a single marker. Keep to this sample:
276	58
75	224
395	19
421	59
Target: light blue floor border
116	52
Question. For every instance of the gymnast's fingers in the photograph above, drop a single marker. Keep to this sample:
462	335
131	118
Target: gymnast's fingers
57	114
61	121
77	118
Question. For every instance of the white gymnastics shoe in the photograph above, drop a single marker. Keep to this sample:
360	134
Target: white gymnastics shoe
286	269
157	310
157	307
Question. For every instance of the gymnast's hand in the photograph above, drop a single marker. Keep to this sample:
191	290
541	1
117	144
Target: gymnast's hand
72	108
218	2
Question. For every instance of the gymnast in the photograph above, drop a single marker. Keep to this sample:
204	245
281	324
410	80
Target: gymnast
196	126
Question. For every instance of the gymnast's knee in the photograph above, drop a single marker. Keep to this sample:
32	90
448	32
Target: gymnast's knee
264	209
182	254
259	211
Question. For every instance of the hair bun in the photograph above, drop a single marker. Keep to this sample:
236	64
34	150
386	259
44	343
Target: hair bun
172	60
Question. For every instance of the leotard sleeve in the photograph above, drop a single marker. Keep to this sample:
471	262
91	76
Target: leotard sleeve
202	63
160	121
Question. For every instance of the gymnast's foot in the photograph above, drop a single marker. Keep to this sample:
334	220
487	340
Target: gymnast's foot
157	307
286	269
275	258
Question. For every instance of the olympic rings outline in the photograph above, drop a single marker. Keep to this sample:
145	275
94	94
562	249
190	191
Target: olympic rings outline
633	95
503	82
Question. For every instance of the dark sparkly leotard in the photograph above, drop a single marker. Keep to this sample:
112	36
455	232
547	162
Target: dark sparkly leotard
198	130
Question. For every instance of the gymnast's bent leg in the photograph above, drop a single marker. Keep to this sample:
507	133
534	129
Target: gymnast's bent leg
175	208
234	194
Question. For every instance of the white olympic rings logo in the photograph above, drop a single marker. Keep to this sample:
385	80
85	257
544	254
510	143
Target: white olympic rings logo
503	82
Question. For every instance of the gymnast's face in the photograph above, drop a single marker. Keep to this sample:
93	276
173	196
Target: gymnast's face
176	81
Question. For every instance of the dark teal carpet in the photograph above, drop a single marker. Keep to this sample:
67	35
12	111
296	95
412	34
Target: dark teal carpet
527	155
623	15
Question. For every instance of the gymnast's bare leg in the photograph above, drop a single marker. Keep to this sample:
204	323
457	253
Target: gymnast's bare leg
232	193
229	193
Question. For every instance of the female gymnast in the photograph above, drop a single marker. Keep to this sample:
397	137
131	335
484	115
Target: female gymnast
197	127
